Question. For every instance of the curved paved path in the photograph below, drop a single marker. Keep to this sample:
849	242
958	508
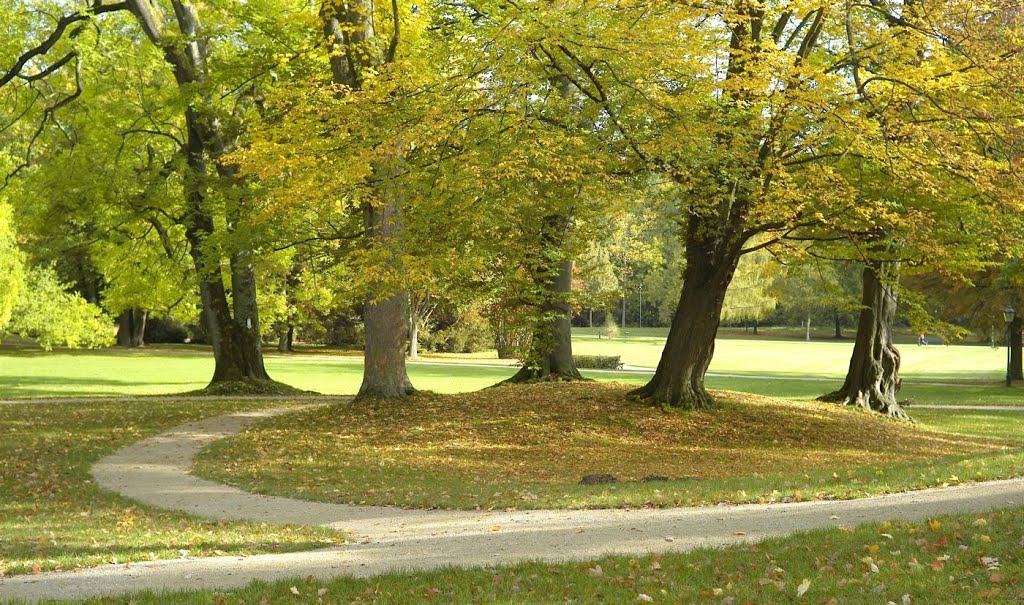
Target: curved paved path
156	471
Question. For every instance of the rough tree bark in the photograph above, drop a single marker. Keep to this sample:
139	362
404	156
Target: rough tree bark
873	380
710	264
386	317
236	339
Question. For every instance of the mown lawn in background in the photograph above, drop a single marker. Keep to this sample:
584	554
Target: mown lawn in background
963	559
823	358
529	446
177	369
52	516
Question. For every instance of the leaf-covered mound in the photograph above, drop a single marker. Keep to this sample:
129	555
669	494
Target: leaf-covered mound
528	446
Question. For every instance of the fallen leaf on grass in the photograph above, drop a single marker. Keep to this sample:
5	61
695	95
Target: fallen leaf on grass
802	589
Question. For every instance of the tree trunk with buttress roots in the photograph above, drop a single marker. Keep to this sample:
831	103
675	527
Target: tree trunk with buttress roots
679	380
873	380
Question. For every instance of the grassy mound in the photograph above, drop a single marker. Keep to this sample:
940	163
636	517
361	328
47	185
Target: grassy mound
248	388
529	446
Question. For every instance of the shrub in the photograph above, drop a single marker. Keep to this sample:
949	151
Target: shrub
598	362
469	334
610	329
165	330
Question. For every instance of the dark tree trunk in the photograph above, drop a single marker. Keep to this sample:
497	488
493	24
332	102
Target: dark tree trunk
839	326
873	377
1016	369
131	328
236	340
551	347
286	340
679	380
755	327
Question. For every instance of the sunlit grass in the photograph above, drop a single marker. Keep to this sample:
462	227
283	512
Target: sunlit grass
529	447
52	516
952	559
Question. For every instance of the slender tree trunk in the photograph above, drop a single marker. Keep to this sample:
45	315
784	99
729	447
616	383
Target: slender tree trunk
873	377
1016	369
679	380
551	348
755	327
839	326
807	334
414	335
590	318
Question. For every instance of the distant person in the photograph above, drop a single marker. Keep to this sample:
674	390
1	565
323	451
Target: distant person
921	340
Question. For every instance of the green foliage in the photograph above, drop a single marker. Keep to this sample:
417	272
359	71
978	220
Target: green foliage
53	316
11	266
749	296
597	362
610	329
471	333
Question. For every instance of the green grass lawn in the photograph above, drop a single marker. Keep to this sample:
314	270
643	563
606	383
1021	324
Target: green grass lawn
52	516
826	358
177	369
963	559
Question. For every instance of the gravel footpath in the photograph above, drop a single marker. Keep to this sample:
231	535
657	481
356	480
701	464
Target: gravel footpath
156	471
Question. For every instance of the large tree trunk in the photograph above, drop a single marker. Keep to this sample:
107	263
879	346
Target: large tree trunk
350	28
550	355
236	340
387	317
679	380
384	372
286	340
873	380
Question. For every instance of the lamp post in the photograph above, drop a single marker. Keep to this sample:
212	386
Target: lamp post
1009	313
